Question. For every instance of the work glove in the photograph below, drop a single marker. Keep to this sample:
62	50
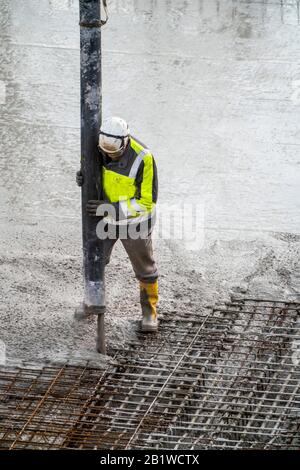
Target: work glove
92	207
79	178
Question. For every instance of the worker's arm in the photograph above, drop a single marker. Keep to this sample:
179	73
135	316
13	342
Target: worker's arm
146	190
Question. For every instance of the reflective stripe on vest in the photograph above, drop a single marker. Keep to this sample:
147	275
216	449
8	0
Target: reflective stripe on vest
137	162
130	207
136	206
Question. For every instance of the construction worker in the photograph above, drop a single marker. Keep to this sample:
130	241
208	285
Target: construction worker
129	182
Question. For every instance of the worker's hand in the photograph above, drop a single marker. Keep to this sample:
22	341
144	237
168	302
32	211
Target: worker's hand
79	178
92	207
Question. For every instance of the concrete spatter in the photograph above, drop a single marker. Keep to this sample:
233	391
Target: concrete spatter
41	287
210	87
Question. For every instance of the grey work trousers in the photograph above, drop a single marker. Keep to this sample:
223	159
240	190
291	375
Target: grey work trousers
140	252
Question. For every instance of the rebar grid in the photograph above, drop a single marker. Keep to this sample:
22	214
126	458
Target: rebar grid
226	378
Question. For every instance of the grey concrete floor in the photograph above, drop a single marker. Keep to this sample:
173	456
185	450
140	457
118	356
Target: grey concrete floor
213	88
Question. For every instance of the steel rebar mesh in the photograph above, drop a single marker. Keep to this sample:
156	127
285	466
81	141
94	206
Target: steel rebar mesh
227	378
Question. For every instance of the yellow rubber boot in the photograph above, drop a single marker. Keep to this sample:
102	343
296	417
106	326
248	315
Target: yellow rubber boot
149	299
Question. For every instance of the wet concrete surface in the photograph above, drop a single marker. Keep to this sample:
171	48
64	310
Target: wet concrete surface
212	87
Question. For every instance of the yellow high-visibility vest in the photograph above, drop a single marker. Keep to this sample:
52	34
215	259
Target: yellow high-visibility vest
131	181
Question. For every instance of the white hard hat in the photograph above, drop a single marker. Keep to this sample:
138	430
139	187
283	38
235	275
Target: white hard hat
114	135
